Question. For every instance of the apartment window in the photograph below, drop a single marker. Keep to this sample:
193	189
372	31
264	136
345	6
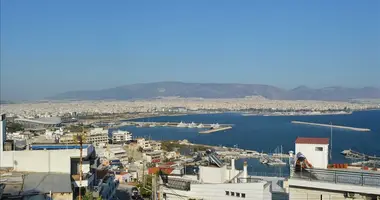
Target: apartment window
318	148
237	194
243	195
227	193
232	193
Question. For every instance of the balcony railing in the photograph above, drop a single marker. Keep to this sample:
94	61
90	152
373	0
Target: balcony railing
340	177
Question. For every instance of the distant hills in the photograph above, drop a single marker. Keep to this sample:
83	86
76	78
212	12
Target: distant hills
219	90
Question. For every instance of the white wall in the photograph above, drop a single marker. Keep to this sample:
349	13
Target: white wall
253	191
319	159
212	174
307	194
40	160
2	135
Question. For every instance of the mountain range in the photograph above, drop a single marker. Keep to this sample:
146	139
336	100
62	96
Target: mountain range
219	90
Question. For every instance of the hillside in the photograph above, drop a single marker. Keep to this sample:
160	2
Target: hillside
219	90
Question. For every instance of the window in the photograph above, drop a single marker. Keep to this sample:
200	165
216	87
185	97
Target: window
232	193
243	195
227	193
318	148
237	194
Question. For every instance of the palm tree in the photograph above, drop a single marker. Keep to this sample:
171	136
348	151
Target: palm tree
79	138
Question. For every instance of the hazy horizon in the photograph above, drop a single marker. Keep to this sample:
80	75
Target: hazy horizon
52	47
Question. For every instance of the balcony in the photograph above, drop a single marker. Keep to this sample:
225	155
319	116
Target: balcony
364	182
340	176
87	179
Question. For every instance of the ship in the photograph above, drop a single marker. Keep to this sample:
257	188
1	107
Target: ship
215	125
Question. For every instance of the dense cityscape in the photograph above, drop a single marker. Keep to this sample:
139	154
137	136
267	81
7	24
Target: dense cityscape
41	109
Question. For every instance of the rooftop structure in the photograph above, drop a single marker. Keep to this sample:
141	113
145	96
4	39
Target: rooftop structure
217	182
310	177
32	185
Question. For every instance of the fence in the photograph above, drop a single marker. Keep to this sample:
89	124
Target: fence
340	176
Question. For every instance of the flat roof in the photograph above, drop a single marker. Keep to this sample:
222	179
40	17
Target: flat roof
47	120
307	140
58	146
46	182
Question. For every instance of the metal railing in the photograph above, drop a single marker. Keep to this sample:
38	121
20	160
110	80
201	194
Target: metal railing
249	180
340	177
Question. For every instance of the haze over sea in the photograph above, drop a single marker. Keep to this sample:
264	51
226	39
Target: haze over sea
265	133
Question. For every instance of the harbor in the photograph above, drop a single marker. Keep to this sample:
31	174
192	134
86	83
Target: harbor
333	126
205	128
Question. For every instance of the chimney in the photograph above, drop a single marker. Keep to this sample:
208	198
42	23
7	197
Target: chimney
233	173
245	171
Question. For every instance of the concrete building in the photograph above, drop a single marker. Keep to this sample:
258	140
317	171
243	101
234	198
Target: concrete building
96	137
32	186
311	179
153	156
53	158
217	182
144	144
3	135
120	136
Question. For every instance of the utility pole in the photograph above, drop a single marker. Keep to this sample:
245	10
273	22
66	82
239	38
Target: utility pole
154	187
80	140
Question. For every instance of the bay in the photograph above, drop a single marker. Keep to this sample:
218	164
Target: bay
265	133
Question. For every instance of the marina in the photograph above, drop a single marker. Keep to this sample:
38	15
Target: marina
206	128
333	126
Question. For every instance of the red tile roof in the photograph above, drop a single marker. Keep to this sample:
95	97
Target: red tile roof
304	140
154	170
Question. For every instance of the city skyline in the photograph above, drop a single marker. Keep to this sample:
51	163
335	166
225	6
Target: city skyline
49	48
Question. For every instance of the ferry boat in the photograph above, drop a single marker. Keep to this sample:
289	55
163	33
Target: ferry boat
215	125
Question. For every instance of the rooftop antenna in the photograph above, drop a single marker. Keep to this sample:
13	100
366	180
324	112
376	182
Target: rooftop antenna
331	139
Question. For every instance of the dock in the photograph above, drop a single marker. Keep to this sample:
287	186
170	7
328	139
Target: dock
215	130
333	126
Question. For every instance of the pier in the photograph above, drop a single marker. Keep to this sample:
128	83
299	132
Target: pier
215	130
333	126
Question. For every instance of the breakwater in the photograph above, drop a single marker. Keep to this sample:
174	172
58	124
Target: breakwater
334	126
215	130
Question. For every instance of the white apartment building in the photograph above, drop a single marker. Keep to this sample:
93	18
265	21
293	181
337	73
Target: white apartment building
311	179
144	144
217	183
120	136
153	156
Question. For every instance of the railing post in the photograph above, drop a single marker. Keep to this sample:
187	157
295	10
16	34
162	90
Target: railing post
362	179
335	178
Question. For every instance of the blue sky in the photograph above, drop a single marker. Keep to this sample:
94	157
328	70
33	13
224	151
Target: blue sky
48	47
